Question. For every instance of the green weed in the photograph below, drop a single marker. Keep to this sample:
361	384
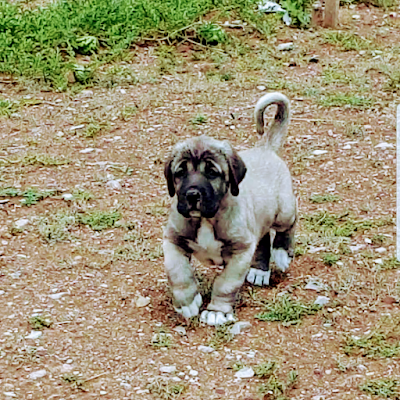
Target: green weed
330	259
166	390
275	388
55	228
266	369
45	160
287	311
199	119
390	263
162	338
94	128
220	336
39	322
346	99
324	198
347	41
387	388
30	196
98	220
82	195
211	34
74	380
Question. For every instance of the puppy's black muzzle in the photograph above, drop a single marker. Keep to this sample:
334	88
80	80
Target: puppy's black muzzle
193	197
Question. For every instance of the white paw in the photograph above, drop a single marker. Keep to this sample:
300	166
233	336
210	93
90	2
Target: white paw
192	309
258	277
215	318
281	258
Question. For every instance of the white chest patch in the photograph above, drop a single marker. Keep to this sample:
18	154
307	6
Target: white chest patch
206	248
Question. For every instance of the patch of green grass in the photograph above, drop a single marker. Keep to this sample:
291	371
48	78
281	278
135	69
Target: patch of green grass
330	259
392	83
390	263
299	11
74	380
162	338
220	336
82	195
128	112
93	128
199	119
382	342
324	198
167	58
347	41
55	228
45	160
98	220
275	388
346	99
385	387
8	107
39	322
266	369
286	310
166	390
354	130
30	196
211	34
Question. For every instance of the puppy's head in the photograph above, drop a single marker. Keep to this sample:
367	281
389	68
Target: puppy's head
201	171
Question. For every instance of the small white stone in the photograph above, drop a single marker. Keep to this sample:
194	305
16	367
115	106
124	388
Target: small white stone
2	292
356	16
321	301
193	372
378	261
315	285
313	250
380	250
347	147
10	394
21	223
86	93
384	146
180	329
66	368
176	379
126	386
68	196
206	349
123	91
57	296
74	128
168	369
261	88
103	392
142	301
246	372
34	335
238	327
38	374
356	247
285	46
87	150
368	241
319	152
114	184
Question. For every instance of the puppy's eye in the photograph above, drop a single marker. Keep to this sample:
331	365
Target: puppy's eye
210	171
181	171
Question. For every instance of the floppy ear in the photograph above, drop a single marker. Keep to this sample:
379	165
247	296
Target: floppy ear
169	177
237	171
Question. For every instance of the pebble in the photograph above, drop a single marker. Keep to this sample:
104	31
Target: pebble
34	335
142	301
384	146
127	386
356	247
378	261
356	16
86	93
316	249
180	329
38	374
57	296
321	301
319	152
314	285
21	223
10	394
347	147
87	150
206	349
103	392
114	184
66	368
2	292
285	46
193	372
168	369
176	379
68	196
246	372
74	128
238	327
261	88
380	250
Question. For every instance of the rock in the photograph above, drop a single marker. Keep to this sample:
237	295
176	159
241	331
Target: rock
66	368
285	46
193	372
68	196
319	152
380	250
114	184
57	296
87	150
21	223
261	88
2	292
206	349
316	249
368	241
356	247
142	301
74	128
356	16
9	394
38	374
378	261
315	285
103	392
347	147
168	369
86	93
238	327
34	335
321	301
180	329
384	146
246	372
176	379
127	386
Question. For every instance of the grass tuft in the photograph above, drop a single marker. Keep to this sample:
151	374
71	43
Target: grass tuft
287	311
324	198
98	220
39	322
386	388
164	389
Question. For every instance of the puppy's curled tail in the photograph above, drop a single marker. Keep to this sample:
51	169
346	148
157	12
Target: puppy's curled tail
275	137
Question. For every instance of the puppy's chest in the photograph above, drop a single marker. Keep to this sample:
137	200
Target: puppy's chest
206	248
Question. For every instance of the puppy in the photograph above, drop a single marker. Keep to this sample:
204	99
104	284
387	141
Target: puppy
225	206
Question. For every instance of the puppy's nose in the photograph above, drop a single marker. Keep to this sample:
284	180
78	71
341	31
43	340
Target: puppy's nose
193	196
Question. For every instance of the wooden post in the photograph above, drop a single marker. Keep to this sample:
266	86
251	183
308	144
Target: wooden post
331	13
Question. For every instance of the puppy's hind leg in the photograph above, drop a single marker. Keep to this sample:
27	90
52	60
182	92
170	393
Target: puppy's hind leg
259	273
283	248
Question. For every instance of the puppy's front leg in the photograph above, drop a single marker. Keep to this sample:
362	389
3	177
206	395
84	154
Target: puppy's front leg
186	298
226	287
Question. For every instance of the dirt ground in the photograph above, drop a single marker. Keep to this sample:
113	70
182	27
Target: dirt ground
100	342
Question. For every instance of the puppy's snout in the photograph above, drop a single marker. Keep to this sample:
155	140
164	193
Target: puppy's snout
193	196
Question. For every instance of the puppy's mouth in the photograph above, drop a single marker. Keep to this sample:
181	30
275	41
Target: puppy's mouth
195	214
